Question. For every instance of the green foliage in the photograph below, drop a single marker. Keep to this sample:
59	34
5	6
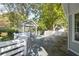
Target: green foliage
41	26
15	18
47	15
51	15
9	36
5	38
16	13
8	30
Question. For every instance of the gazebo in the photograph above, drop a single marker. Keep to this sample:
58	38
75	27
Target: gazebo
29	26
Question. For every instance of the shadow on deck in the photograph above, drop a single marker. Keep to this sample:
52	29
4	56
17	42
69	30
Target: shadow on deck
55	46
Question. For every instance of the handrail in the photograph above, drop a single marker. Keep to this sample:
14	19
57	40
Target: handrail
12	47
9	43
20	46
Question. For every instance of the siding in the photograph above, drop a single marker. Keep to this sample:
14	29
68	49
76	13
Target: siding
73	8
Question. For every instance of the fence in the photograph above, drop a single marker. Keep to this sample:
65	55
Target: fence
16	47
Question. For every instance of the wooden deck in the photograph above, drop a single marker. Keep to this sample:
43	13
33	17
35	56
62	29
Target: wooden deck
22	46
26	46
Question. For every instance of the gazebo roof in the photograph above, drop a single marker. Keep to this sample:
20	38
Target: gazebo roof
29	23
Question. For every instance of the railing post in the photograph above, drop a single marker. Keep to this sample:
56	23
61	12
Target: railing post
25	38
25	47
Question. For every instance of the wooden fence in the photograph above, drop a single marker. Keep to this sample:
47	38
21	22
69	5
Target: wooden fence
16	47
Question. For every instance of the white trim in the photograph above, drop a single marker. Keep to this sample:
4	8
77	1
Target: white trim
73	29
68	33
68	26
73	51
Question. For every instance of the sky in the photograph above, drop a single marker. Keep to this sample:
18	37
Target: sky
31	16
2	8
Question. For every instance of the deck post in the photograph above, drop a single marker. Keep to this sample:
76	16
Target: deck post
25	46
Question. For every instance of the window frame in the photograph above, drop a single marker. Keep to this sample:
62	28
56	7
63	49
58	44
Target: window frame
73	28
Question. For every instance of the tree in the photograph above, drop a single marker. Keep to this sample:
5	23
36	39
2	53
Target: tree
46	15
16	13
51	15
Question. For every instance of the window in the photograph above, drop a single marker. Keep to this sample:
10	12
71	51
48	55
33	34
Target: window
77	27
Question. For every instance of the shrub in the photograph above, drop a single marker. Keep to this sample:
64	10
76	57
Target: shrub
10	34
5	38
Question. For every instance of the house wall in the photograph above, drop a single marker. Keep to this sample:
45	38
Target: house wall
72	9
73	45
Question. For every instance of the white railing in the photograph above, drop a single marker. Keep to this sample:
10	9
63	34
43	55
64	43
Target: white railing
16	47
22	45
13	47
